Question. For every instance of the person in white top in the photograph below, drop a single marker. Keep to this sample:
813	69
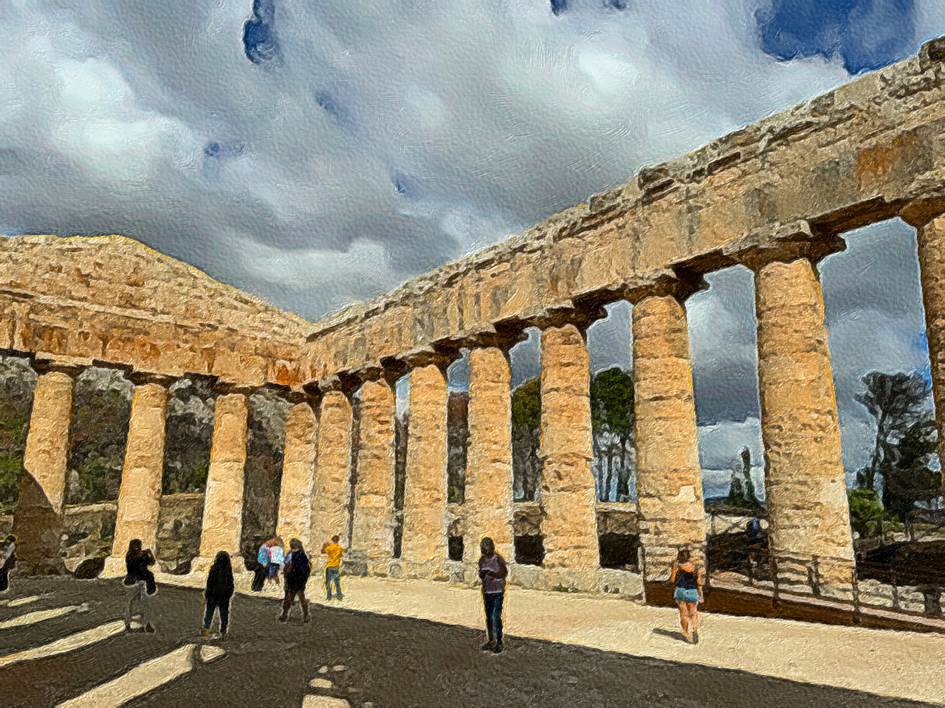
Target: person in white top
276	559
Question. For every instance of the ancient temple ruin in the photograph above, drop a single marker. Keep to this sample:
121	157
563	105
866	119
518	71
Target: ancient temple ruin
774	196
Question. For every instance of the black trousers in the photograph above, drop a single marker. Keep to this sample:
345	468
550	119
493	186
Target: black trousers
493	605
223	607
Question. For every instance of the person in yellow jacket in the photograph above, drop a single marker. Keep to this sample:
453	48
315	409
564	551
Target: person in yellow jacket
333	550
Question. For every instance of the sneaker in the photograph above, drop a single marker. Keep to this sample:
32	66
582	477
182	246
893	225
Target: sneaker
497	649
283	618
488	646
149	628
306	619
695	637
340	597
204	632
127	626
223	635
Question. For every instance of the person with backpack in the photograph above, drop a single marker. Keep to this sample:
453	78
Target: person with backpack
217	594
295	577
262	566
140	583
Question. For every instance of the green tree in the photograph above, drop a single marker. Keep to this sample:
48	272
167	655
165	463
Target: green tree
612	422
911	477
866	513
526	438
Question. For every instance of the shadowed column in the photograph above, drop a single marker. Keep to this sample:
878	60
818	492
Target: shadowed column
223	499
805	484
930	237
332	471
488	503
669	477
424	548
569	519
37	520
298	474
373	529
139	496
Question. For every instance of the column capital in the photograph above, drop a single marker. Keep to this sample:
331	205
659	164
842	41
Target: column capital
785	243
677	284
919	212
561	315
439	356
140	378
65	365
226	388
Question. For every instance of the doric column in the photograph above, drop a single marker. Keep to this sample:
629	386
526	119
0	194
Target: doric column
424	546
37	520
930	226
569	518
298	473
488	504
332	469
373	525
223	499
668	473
805	484
139	496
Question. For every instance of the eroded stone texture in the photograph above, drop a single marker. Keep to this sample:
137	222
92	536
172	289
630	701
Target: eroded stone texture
669	477
569	521
488	506
223	505
424	547
332	471
373	528
37	520
805	486
298	475
139	496
931	241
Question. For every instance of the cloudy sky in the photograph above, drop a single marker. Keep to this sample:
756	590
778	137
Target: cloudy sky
320	153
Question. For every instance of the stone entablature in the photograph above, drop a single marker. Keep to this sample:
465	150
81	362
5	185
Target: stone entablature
853	156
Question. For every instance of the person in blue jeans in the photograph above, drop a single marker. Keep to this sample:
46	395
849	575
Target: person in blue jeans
492	573
687	579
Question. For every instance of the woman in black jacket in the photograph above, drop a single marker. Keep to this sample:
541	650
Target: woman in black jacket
218	593
139	581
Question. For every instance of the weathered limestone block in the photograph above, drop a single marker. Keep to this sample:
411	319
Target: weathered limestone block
332	471
805	485
223	505
931	243
569	522
373	527
294	518
669	477
139	496
489	463
424	547
37	520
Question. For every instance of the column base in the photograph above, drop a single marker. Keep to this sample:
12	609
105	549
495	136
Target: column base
114	567
201	564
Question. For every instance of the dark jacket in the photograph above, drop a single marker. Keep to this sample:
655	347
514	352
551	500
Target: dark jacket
219	583
137	569
296	571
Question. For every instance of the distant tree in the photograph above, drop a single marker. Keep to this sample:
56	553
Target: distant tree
612	421
526	438
866	513
896	401
911	477
742	490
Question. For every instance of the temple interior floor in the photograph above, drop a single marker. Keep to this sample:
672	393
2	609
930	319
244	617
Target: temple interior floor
62	640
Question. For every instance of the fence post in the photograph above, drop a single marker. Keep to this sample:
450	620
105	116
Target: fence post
641	563
895	589
856	597
775	600
751	569
815	578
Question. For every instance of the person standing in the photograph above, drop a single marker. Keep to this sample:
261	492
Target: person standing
139	580
334	552
276	559
492	572
687	580
7	561
295	577
218	592
262	566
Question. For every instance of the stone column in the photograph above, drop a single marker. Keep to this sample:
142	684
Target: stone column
805	484
223	499
488	503
37	520
298	474
568	501
931	248
332	471
139	496
668	473
424	547
373	530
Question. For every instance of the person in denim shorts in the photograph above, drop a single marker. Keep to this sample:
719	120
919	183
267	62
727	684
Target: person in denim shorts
687	579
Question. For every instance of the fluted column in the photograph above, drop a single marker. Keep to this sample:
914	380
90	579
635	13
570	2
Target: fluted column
332	470
569	519
424	546
805	484
669	477
223	499
373	526
298	473
139	496
37	520
930	237
488	504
